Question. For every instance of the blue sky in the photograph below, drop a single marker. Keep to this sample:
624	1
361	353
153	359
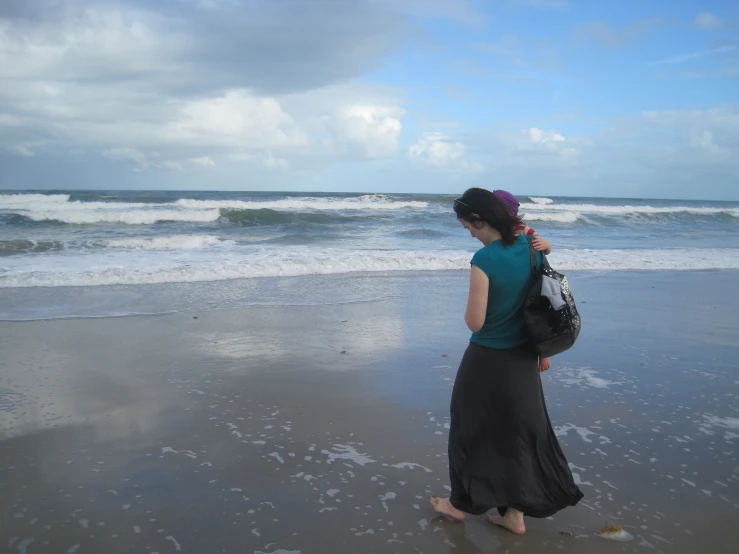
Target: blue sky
551	97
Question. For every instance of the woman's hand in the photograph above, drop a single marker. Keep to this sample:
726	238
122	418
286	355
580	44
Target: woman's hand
544	364
542	245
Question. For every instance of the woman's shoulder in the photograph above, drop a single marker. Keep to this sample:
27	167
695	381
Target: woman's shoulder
483	257
516	249
488	250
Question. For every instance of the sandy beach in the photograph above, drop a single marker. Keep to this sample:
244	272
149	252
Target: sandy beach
322	429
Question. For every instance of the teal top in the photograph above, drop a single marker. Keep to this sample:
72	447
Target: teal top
509	271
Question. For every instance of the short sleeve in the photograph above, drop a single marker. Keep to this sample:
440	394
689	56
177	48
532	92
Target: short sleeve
482	260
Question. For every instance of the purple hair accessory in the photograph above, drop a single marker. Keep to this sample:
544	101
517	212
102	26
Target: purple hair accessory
510	201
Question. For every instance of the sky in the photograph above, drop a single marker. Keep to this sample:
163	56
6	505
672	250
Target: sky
548	97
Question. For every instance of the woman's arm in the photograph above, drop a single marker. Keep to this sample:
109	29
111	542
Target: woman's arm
477	303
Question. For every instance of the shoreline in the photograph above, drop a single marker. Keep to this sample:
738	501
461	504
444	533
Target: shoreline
242	292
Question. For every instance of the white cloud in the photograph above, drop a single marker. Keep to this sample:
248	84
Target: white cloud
372	130
237	119
543	137
701	137
708	21
437	150
141	160
177	46
25	150
135	79
240	121
272	161
266	160
113	81
128	154
705	142
724	119
702	140
171	166
538	140
106	116
203	161
11	120
660	153
95	40
525	158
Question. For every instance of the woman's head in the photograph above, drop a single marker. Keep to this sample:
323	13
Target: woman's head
478	208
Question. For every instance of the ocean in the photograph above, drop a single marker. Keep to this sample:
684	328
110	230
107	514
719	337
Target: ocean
98	253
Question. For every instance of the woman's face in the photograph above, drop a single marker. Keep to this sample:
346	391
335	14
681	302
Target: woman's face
474	231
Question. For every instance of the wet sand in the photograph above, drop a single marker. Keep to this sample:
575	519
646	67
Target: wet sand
321	429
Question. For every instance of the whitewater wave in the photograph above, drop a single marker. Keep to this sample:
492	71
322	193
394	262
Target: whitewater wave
367	202
667	259
171	242
626	209
121	269
556	217
128	216
15	199
163	266
58	208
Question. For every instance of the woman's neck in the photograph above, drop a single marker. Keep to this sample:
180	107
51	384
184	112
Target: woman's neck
490	236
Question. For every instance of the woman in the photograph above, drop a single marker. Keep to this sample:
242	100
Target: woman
503	452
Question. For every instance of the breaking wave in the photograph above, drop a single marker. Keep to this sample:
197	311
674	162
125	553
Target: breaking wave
158	265
58	208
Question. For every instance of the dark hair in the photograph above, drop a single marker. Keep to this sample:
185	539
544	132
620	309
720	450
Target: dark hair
477	205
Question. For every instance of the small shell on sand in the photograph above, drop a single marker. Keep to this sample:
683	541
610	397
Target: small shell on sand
615	533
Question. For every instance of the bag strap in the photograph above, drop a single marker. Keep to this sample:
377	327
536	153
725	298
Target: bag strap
532	254
545	262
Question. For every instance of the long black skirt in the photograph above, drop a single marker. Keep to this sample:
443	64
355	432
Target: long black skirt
502	449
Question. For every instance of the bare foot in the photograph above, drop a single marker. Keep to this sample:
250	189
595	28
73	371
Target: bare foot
512	520
444	506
